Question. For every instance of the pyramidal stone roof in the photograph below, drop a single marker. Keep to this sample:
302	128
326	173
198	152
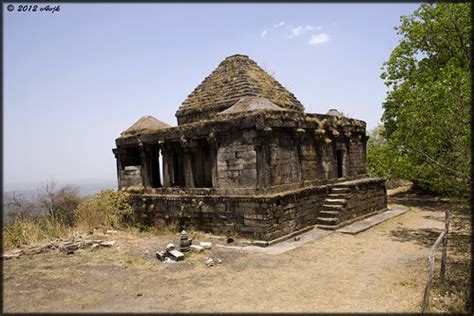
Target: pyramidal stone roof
236	76
145	123
251	104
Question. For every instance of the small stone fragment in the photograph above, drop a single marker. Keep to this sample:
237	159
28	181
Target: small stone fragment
108	243
33	251
206	244
170	247
160	255
95	246
68	248
11	255
111	231
196	248
219	260
176	255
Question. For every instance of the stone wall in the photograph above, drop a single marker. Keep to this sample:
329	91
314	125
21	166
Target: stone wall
284	163
366	196
256	217
356	157
237	161
130	176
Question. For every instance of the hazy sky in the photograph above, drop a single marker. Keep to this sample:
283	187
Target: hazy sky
74	79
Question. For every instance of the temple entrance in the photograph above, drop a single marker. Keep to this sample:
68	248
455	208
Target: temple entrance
154	172
340	162
202	164
178	170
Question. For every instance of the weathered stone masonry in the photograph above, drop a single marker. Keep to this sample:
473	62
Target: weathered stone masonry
246	159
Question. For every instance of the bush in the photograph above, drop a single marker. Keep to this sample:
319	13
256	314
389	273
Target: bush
27	230
108	208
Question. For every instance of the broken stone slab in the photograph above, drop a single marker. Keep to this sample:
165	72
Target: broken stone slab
161	255
111	232
209	261
108	243
88	242
168	260
176	255
68	248
170	247
12	254
95	246
206	244
33	251
196	248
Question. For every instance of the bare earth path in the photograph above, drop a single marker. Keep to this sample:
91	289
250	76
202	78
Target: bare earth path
383	269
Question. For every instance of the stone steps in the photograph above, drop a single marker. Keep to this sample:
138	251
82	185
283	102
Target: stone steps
336	196
329	213
329	201
334	204
340	190
328	220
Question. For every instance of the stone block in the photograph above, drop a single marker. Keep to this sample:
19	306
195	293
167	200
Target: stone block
206	244
196	248
176	255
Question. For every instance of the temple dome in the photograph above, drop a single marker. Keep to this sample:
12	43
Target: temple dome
145	123
236	76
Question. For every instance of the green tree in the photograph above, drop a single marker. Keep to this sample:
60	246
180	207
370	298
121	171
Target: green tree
427	108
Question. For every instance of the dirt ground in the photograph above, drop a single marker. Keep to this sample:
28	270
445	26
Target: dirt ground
383	269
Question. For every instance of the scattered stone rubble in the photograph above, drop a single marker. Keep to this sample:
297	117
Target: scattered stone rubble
64	246
170	254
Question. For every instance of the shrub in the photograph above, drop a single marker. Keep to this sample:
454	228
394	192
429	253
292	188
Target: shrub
108	208
27	230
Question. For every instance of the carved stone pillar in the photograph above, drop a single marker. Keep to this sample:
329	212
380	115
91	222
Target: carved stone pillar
263	159
211	139
145	170
167	167
298	137
116	152
188	171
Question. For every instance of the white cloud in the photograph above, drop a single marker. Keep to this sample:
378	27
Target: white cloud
319	39
264	33
279	24
297	31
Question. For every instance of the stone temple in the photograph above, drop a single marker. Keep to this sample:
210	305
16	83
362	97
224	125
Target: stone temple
246	159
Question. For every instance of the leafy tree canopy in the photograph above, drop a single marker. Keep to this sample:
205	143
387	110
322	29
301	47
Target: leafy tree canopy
427	109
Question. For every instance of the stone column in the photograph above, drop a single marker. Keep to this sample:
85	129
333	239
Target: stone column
188	171
298	137
263	159
167	167
145	170
211	139
116	152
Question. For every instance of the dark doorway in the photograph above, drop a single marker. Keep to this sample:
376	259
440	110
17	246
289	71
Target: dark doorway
155	167
340	161
178	170
202	165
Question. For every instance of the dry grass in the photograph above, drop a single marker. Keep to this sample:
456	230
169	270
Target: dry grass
28	230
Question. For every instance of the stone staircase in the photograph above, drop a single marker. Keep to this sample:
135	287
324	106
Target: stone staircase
329	216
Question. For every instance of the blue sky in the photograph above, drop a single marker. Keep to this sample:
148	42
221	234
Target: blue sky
74	79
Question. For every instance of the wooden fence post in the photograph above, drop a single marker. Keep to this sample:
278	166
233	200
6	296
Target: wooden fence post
445	247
